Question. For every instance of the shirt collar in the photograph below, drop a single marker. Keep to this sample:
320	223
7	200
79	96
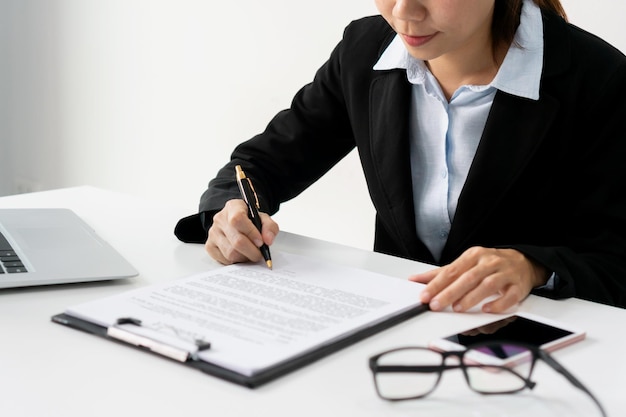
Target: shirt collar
520	72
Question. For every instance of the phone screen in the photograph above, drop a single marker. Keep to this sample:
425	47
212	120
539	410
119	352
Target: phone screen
513	329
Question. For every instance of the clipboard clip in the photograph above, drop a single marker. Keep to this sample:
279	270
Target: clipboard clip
181	355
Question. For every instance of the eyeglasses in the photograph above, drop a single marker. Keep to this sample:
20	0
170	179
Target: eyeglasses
414	372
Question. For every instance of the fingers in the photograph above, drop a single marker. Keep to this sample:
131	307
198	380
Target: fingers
511	296
425	277
269	230
479	274
233	237
220	248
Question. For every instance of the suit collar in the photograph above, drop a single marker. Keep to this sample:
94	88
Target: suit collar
557	45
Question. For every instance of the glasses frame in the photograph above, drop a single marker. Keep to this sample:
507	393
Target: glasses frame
536	353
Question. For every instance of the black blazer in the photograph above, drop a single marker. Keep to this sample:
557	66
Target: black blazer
548	178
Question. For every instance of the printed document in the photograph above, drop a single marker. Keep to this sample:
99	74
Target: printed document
255	318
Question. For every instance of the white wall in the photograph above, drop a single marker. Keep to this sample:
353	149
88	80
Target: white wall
150	96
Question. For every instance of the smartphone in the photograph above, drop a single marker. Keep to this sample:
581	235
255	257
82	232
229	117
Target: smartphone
522	327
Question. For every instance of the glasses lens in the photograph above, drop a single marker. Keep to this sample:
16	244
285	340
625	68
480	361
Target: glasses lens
407	373
488	373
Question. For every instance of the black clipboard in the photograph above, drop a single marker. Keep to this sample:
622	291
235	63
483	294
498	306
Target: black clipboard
266	375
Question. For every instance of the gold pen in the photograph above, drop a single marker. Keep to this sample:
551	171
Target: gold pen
249	196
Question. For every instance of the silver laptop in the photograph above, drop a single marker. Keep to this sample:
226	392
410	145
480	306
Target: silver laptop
54	246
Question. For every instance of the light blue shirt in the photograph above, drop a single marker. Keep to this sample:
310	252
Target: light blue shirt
444	135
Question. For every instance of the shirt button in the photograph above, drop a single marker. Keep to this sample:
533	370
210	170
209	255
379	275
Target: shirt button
444	173
443	234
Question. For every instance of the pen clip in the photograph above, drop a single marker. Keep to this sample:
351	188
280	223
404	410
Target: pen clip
256	198
249	193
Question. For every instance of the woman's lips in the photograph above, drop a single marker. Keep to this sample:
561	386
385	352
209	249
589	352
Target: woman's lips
416	41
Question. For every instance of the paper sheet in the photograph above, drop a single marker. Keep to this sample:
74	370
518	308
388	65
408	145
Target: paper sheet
255	317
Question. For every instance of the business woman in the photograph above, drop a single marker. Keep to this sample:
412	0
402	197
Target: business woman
492	137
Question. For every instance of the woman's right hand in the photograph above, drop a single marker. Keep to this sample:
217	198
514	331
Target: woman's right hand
233	237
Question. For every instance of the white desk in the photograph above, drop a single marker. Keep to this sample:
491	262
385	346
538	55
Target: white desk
50	370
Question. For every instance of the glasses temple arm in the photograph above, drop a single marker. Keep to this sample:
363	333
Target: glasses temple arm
571	378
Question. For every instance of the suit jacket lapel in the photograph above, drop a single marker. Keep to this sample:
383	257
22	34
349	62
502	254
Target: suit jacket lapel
514	130
390	96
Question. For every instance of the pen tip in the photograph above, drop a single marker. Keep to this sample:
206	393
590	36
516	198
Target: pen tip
269	264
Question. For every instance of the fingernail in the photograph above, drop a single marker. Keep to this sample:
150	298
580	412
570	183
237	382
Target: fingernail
425	297
258	243
434	305
457	308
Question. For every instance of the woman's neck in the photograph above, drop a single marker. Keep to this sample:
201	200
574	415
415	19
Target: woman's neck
477	66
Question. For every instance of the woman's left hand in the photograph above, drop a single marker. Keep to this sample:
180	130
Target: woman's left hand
480	273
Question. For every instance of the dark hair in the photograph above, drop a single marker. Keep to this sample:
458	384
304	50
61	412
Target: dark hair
506	17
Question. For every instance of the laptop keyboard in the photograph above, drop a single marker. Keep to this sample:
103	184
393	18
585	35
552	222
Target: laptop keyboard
10	263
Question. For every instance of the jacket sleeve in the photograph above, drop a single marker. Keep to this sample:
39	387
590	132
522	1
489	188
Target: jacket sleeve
591	264
298	146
